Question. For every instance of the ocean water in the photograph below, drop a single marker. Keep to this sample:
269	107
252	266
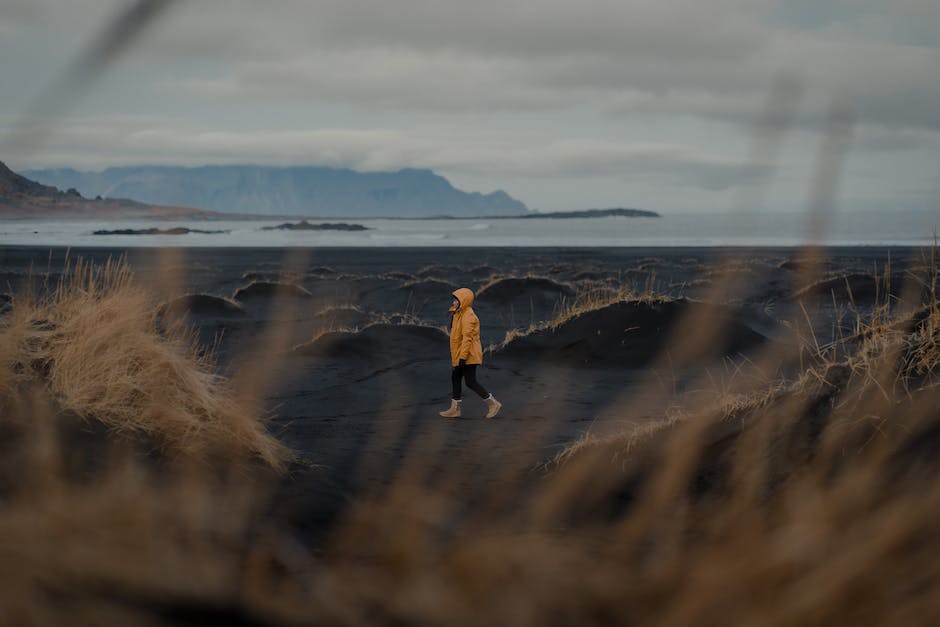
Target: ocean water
691	229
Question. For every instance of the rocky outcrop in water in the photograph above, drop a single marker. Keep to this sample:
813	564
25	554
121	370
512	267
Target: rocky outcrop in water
303	225
177	230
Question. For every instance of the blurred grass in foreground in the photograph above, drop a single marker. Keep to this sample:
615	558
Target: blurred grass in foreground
134	489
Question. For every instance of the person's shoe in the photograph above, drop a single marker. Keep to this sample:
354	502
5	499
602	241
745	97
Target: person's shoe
493	406
453	412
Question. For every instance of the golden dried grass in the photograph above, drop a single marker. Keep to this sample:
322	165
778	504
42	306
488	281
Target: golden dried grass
96	344
585	301
129	544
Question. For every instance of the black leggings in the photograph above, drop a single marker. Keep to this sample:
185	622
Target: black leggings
469	373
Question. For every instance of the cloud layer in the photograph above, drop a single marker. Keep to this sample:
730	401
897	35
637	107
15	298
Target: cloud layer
642	97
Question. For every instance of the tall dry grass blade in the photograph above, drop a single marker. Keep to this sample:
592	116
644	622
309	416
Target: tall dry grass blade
259	369
40	118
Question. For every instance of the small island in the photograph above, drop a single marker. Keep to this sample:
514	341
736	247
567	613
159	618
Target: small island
594	213
303	225
614	212
177	230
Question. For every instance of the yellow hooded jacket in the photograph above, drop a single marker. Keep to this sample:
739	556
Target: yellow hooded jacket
465	331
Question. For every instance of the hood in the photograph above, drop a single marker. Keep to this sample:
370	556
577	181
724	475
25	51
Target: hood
465	296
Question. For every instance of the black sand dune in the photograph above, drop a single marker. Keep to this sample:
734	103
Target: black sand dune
399	276
377	293
331	292
654	263
591	275
443	271
203	305
342	318
519	302
269	290
861	287
433	290
801	265
515	290
627	334
385	295
256	276
276	331
636	273
381	344
321	271
482	272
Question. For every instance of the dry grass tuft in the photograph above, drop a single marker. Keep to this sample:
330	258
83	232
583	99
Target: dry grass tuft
600	297
95	343
585	301
128	545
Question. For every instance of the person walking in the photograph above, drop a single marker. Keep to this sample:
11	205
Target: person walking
466	353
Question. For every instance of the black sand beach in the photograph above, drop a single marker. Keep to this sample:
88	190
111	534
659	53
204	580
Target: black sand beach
352	350
688	436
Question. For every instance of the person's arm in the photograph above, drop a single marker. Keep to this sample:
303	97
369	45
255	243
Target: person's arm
469	331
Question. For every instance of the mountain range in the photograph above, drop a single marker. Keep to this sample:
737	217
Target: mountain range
22	198
301	191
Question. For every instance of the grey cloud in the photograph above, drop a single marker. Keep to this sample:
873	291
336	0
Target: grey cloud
886	84
52	15
668	163
101	142
909	22
634	58
669	29
20	13
880	139
664	70
458	81
392	78
224	32
713	60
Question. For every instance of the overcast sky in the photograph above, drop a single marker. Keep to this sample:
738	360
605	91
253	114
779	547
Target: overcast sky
563	104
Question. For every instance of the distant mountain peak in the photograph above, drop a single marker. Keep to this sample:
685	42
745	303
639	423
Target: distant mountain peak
13	185
21	197
299	190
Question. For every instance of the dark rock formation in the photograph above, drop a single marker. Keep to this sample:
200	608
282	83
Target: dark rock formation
303	225
176	230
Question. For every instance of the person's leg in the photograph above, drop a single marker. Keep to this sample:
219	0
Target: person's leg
455	377
454	410
493	406
470	375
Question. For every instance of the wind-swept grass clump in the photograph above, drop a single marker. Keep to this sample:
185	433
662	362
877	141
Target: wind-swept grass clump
96	345
599	297
131	544
585	301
